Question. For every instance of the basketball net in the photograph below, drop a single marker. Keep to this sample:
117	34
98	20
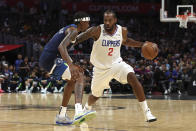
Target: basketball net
183	19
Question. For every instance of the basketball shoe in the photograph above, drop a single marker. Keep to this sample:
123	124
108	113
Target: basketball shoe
63	120
86	115
148	116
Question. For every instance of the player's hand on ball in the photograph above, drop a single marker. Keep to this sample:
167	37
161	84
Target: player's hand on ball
149	50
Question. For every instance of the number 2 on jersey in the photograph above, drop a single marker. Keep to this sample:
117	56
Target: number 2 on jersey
110	51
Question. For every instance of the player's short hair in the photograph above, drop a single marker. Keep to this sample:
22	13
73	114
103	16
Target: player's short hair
110	12
80	16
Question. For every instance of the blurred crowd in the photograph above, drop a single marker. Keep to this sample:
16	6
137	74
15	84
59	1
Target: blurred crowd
165	75
25	76
170	72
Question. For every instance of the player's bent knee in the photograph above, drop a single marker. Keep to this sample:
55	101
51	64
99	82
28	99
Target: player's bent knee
131	77
95	97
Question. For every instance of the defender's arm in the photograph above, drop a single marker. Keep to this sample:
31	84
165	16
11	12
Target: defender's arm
92	32
70	35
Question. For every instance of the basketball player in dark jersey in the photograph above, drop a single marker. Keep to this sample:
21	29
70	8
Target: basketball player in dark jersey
61	66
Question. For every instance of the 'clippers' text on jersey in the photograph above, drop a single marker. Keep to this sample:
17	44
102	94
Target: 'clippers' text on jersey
106	50
111	43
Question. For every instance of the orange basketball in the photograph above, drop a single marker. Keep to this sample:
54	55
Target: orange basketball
149	50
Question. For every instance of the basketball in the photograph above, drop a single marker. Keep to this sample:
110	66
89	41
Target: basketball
149	50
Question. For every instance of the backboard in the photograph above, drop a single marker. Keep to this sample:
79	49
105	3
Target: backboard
184	12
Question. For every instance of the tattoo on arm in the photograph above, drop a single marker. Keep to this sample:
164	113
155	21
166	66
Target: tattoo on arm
69	37
90	33
64	44
133	43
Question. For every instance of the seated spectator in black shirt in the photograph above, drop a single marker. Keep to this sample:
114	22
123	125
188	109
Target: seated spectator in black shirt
24	70
32	83
15	82
160	79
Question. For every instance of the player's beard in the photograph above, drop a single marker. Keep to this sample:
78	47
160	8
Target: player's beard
109	29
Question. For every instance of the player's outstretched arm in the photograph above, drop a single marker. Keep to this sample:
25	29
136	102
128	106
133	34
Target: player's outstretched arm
92	32
128	41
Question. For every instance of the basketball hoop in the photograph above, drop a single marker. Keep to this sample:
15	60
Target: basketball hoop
183	19
188	16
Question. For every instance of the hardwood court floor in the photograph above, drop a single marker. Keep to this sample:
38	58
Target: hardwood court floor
36	112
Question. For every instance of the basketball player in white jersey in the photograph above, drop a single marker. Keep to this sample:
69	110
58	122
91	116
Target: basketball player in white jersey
108	64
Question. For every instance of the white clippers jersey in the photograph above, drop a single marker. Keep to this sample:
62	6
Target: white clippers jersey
106	50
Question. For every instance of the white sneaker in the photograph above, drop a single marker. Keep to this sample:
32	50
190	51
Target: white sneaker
25	91
17	88
85	116
43	90
8	90
110	91
61	90
63	120
169	90
166	92
30	90
149	93
148	116
55	90
179	93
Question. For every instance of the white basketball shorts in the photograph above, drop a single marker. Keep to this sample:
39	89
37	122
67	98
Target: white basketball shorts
102	77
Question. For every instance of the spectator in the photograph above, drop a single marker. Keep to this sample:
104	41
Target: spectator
18	62
15	83
32	83
24	70
160	79
3	61
59	86
45	83
147	80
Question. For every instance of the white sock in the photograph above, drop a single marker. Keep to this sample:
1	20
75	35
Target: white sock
78	108
62	111
31	88
144	105
27	86
87	106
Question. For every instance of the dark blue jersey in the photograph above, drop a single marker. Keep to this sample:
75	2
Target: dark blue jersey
50	52
53	44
